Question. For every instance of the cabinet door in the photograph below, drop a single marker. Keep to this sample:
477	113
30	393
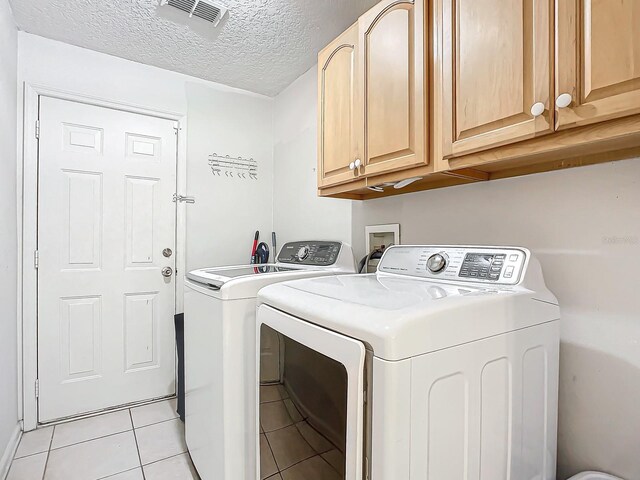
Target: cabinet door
392	66
495	72
337	142
598	60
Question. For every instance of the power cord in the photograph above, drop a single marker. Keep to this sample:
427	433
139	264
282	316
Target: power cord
372	255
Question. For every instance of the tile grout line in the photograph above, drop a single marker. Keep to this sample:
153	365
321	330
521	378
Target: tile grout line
30	455
50	449
330	465
154	423
46	462
305	441
334	446
299	462
119	473
89	440
317	454
94	415
100	437
135	438
167	458
102	413
293	424
272	454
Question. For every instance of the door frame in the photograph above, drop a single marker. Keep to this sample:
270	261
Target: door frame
27	193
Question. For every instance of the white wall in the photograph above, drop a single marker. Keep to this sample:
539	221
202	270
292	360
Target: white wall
299	213
584	226
8	235
228	210
222	119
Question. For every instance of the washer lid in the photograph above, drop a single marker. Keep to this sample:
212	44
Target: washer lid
400	317
218	276
244	281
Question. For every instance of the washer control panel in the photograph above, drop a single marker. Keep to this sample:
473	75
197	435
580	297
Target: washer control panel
315	253
494	265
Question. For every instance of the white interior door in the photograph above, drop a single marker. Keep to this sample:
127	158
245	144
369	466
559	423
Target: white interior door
105	215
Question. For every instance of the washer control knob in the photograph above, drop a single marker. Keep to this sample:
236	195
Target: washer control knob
303	252
437	262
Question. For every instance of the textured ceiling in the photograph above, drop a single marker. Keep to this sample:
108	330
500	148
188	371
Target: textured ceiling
261	45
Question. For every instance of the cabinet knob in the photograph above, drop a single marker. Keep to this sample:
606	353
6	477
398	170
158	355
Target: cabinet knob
352	166
357	163
564	100
537	109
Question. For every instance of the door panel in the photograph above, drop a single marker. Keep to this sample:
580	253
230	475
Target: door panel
598	60
337	146
389	85
393	76
105	213
82	244
487	410
496	64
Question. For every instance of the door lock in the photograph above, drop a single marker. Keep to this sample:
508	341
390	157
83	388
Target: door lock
167	252
167	272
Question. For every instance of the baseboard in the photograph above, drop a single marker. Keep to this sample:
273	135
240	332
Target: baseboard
10	451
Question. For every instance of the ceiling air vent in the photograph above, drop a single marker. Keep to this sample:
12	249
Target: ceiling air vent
209	11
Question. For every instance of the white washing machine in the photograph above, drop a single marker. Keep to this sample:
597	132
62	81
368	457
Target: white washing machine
446	363
220	355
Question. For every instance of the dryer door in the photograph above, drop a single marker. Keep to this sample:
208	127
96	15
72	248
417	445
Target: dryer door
322	390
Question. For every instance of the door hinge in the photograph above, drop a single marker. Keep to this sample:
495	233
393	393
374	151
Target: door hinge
36	259
37	129
37	388
177	129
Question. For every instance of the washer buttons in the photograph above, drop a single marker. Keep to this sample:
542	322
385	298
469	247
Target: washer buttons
513	258
508	273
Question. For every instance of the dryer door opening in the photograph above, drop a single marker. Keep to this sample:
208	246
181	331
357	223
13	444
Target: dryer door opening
313	417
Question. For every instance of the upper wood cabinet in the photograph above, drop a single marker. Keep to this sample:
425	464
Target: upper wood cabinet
466	90
392	83
494	72
337	103
598	60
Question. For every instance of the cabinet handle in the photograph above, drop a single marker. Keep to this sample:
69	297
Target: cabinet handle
357	163
537	109
564	100
352	166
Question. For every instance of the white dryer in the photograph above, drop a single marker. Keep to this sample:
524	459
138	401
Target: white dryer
448	363
220	353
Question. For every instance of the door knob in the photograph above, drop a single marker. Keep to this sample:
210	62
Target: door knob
537	109
352	166
167	272
357	163
564	100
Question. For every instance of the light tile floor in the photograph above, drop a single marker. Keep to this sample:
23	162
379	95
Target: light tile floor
141	443
290	448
